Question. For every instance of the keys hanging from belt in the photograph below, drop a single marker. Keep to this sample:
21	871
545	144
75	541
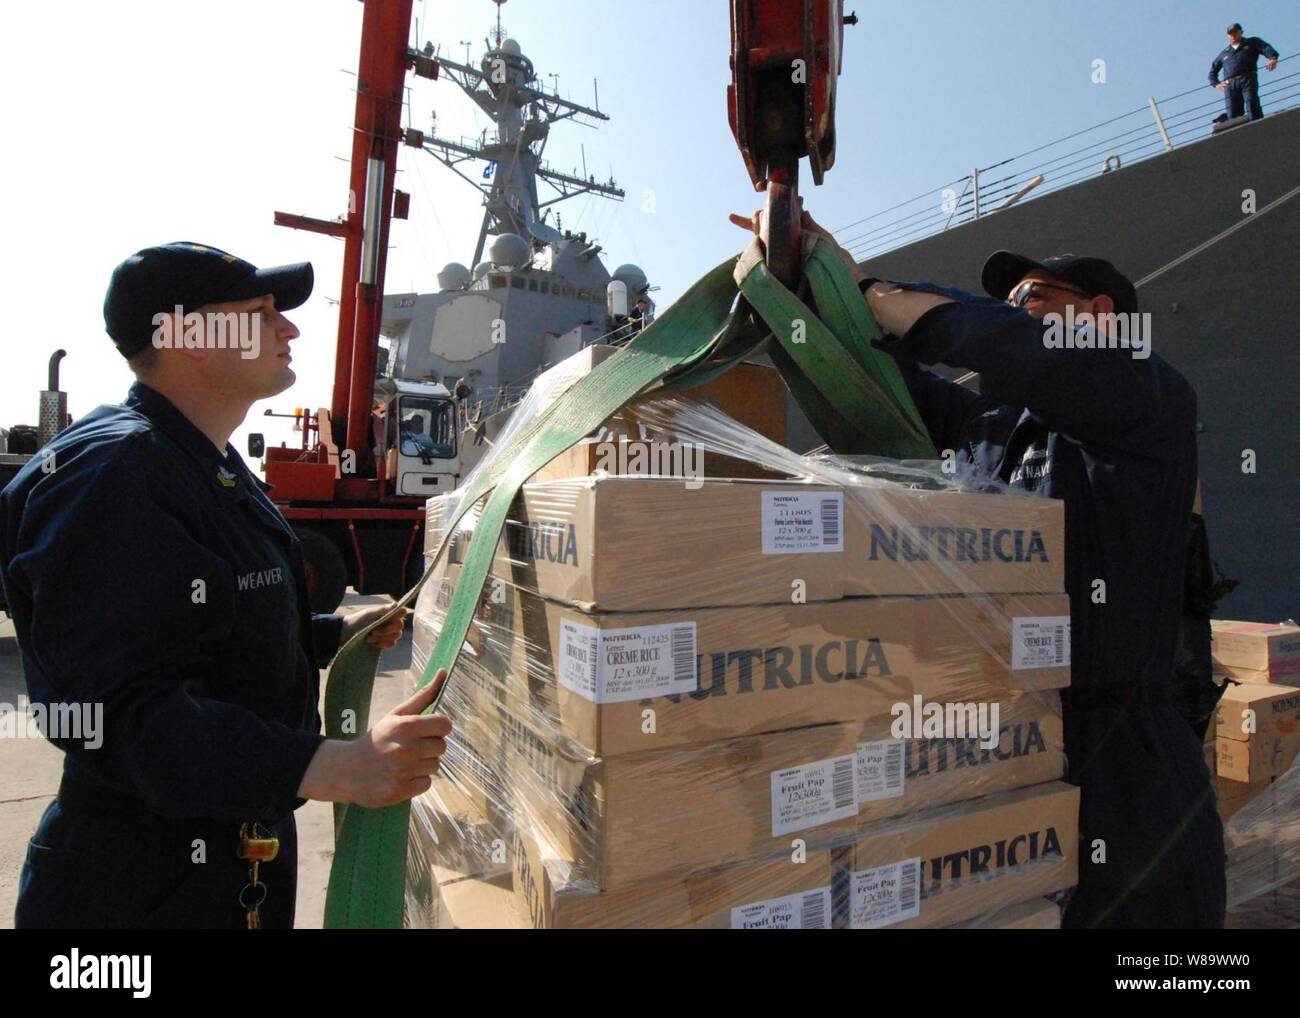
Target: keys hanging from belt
256	846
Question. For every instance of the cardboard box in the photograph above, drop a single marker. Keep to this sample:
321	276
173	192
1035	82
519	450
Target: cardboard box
497	904
1254	761
1260	836
476	903
752	394
465	871
664	545
1234	796
961	861
645	543
715	673
725	899
1038	914
910	541
636	442
538	888
770	894
1256	651
645	816
450	843
1256	708
1258	728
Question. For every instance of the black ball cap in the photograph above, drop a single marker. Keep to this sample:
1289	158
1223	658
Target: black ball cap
191	275
1096	276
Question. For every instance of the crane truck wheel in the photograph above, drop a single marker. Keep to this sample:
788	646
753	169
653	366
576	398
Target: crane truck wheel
327	575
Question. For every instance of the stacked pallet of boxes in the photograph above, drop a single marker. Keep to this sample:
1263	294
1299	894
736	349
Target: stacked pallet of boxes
1257	725
1257	730
680	702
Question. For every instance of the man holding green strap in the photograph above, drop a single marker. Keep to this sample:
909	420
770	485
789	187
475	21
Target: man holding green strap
1113	434
149	575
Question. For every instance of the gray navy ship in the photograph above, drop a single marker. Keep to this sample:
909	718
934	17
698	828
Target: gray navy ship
536	293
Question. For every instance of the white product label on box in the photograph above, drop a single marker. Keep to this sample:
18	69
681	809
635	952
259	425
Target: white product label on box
886	895
1041	641
880	769
579	658
617	665
813	794
807	910
802	521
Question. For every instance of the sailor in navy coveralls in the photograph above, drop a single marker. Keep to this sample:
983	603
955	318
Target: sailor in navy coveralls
147	571
1114	436
1239	62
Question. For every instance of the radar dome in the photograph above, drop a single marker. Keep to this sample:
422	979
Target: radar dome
482	269
632	277
510	47
509	251
454	276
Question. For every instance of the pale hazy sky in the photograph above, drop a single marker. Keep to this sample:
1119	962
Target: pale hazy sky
139	122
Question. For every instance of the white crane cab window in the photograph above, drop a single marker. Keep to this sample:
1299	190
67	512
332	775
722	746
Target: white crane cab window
427	427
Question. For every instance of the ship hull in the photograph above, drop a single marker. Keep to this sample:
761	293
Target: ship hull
1227	317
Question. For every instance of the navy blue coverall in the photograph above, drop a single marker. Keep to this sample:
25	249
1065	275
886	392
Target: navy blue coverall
1240	69
1115	438
149	573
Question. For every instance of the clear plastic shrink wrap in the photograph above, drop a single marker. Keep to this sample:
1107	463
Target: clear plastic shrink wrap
1257	728
1263	842
804	692
1253	746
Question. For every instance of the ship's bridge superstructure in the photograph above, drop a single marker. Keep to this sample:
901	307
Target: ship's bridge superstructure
536	293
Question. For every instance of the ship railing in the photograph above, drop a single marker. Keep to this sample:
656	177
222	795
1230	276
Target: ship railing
1159	126
491	400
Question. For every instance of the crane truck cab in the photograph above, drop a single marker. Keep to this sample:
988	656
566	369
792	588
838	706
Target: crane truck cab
416	425
360	513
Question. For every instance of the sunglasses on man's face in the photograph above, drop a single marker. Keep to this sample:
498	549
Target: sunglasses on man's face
1030	288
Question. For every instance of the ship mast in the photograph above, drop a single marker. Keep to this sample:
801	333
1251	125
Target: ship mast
505	87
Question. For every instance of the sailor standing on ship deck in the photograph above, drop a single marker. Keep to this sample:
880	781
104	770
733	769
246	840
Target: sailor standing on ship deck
148	574
1239	63
1111	431
637	317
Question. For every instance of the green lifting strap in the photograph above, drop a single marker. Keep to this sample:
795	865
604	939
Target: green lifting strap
846	386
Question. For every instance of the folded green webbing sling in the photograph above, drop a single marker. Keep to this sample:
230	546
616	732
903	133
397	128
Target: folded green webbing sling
852	393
